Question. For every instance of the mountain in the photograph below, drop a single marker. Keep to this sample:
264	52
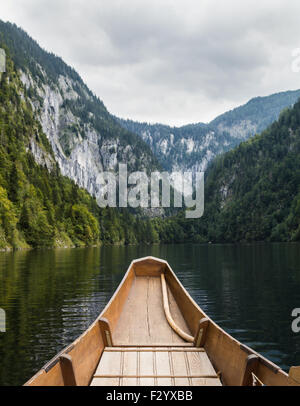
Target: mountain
252	193
194	146
56	138
85	138
39	207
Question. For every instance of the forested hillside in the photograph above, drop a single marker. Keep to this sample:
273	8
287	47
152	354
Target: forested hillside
52	125
85	138
38	206
252	193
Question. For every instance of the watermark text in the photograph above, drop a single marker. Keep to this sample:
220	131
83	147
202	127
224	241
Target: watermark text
140	190
2	61
296	321
2	321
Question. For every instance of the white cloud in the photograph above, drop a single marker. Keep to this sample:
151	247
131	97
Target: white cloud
170	61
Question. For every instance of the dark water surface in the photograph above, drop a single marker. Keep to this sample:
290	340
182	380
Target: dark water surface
51	296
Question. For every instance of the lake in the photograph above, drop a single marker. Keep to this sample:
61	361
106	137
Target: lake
51	296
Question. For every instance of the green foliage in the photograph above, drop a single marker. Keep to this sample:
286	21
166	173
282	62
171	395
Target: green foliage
260	110
85	225
252	193
88	109
8	220
35	204
39	207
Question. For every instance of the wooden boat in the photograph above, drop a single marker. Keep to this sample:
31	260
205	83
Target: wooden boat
152	333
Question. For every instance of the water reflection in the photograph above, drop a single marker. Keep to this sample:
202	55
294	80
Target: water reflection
51	296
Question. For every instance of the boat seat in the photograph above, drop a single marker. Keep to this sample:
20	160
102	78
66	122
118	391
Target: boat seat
159	366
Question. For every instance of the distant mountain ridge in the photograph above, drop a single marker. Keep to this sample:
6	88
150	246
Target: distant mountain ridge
51	125
38	206
194	146
252	192
87	139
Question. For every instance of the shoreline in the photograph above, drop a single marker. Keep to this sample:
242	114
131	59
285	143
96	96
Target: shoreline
10	249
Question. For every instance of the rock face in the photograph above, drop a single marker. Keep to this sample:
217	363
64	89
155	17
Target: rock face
87	140
194	146
82	148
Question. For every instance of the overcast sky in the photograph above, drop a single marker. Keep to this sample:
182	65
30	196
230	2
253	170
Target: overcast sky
169	61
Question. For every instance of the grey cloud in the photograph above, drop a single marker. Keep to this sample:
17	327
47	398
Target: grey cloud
175	61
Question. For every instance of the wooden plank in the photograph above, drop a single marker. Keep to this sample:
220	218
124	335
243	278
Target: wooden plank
226	355
182	349
179	364
147	381
162	363
156	349
182	382
199	364
51	378
110	364
105	382
133	326
155	376
128	382
146	363
164	382
123	332
115	306
151	345
86	353
130	366
151	368
294	373
206	382
142	321
148	267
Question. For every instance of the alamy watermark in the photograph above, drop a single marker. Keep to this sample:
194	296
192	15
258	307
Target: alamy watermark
2	321
2	61
296	321
140	190
137	190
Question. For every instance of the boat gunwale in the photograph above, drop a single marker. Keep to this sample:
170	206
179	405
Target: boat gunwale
50	364
275	368
53	361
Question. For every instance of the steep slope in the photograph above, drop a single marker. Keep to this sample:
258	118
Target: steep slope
38	206
85	138
252	193
254	190
194	146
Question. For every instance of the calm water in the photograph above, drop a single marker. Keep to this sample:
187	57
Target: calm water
51	296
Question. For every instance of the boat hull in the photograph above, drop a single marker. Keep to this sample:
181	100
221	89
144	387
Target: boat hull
135	318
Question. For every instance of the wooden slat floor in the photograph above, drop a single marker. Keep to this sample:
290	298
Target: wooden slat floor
146	350
159	366
143	321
